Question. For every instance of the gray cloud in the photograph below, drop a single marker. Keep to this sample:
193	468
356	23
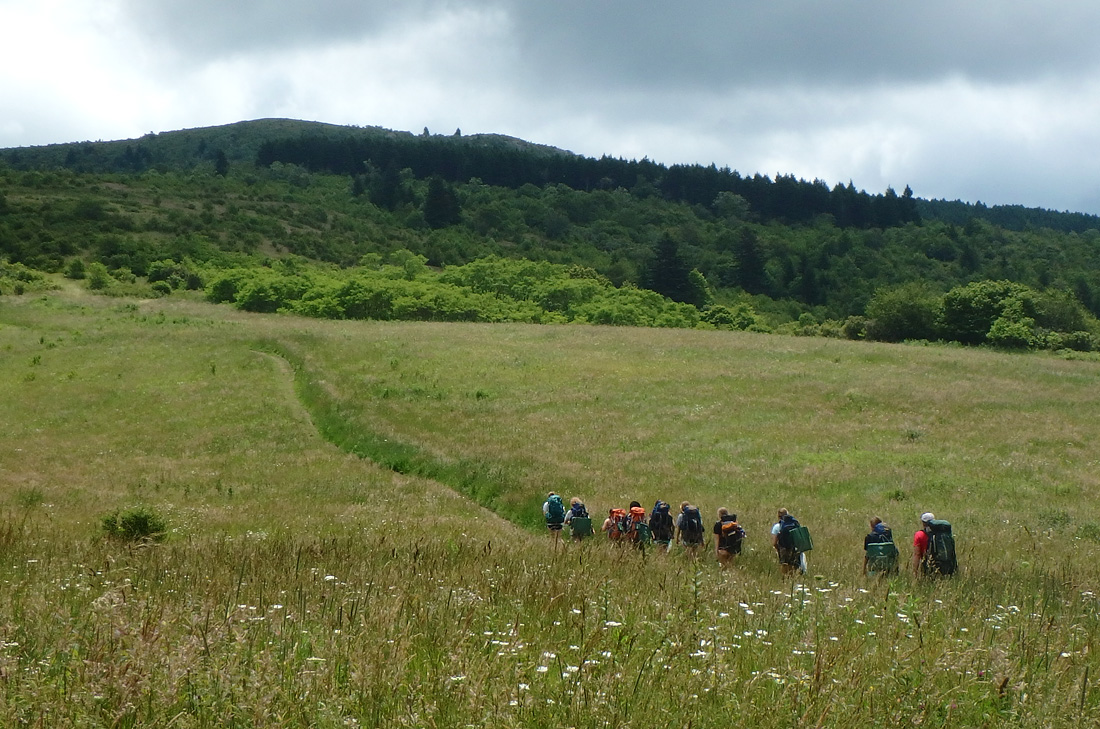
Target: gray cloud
702	43
216	28
651	43
989	100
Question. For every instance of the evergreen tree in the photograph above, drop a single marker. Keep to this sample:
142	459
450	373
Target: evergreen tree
668	273
221	164
441	206
751	275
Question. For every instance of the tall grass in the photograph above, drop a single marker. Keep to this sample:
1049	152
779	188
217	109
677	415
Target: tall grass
303	586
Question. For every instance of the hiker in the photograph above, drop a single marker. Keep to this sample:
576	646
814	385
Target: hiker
880	555
689	528
554	512
728	535
577	519
920	541
612	523
634	528
934	547
661	525
790	558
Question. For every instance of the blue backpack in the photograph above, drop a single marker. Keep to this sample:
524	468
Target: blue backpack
661	523
691	526
786	527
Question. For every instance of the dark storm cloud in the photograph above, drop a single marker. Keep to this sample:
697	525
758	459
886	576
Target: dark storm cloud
809	41
693	42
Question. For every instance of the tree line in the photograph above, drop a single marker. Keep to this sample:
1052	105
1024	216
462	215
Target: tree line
785	198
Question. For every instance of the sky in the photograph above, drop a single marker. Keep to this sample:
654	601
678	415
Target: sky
991	101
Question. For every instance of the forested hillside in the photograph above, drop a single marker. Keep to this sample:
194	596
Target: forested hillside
366	222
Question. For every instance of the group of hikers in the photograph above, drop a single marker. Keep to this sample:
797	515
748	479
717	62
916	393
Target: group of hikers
659	529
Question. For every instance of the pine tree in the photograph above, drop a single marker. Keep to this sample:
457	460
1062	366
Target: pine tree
668	273
441	207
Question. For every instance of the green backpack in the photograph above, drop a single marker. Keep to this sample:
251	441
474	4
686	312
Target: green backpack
555	510
580	526
801	540
940	558
882	558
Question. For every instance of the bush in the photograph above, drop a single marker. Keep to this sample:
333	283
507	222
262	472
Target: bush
98	277
75	270
909	311
970	311
1079	341
1013	329
855	327
139	523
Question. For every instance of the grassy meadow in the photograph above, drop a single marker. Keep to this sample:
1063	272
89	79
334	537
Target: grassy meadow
355	540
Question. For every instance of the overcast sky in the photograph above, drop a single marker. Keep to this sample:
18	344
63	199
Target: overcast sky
992	101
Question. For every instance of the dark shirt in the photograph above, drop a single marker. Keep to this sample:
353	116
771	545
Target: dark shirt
729	542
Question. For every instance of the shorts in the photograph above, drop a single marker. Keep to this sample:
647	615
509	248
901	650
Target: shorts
789	556
554	527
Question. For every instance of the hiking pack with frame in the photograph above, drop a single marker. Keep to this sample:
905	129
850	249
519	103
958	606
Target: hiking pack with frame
940	558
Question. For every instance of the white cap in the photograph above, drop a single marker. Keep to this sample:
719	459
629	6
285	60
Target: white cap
927	517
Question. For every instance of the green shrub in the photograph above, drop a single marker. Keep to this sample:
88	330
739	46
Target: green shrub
75	270
909	311
855	327
136	524
1013	329
1078	341
970	311
98	277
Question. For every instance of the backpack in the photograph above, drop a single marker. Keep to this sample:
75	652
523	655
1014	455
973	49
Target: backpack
642	534
786	531
661	523
630	521
580	526
882	553
882	557
691	526
578	511
616	517
555	510
940	558
731	535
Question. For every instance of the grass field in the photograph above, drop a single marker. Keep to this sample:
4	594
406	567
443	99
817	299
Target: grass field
355	541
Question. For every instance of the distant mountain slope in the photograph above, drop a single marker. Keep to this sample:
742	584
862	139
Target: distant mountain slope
782	198
239	142
1010	217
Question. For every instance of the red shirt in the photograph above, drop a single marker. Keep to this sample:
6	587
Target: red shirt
920	543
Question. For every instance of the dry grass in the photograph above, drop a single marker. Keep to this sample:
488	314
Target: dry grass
302	586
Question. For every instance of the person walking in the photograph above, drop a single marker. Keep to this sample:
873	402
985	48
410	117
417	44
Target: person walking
553	510
689	528
612	524
661	525
880	555
577	519
934	548
920	542
728	536
790	559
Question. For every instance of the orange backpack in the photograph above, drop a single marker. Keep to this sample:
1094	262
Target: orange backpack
617	517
